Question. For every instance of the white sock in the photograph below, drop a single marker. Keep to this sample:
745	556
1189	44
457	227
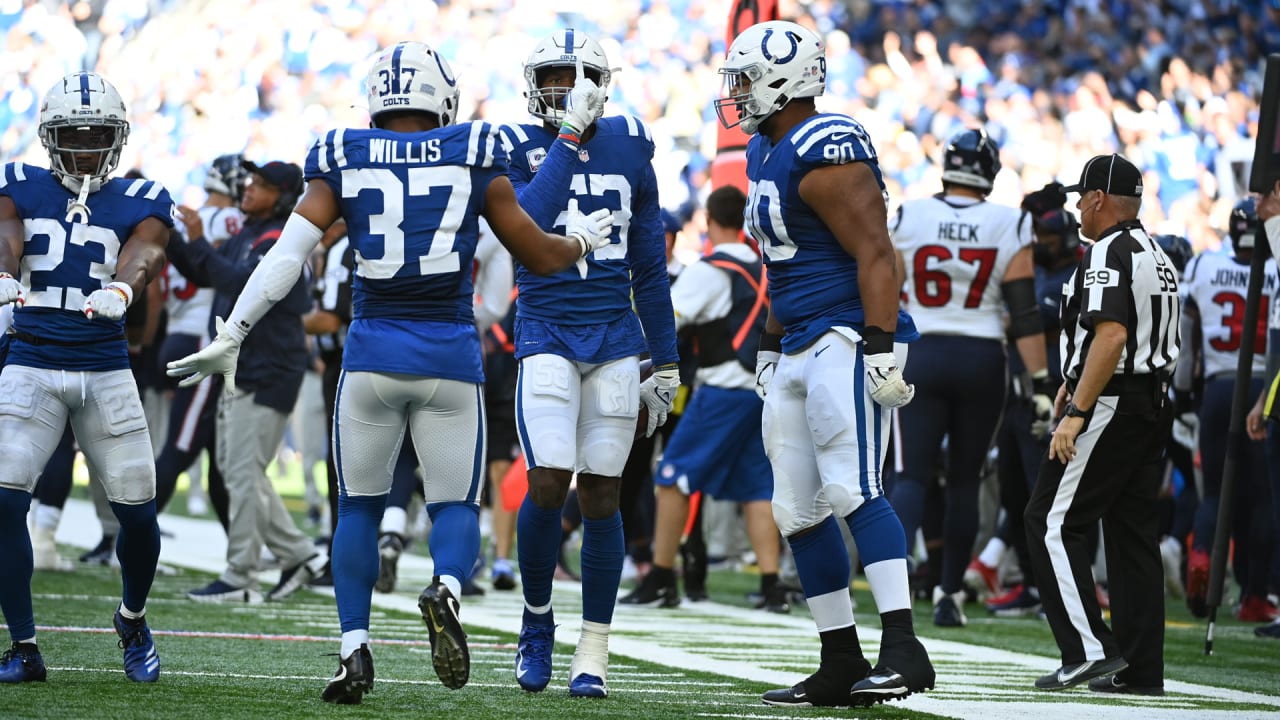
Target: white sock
352	640
889	585
394	519
592	655
540	610
48	516
454	585
992	553
131	615
831	610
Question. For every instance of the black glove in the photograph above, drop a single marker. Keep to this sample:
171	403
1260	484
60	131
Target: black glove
1046	199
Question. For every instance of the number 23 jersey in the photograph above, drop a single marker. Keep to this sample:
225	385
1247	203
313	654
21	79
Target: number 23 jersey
412	203
956	250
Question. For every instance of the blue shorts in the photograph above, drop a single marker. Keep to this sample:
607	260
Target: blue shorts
596	344
718	448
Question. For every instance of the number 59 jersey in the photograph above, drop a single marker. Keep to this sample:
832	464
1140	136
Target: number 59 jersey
813	281
956	251
1216	283
64	262
412	203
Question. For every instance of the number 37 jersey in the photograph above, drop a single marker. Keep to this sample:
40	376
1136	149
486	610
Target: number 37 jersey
412	203
956	251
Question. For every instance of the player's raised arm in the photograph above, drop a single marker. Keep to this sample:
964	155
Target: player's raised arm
543	253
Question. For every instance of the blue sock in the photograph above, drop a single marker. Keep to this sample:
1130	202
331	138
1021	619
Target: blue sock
138	549
16	564
877	532
455	538
537	544
354	557
603	549
822	560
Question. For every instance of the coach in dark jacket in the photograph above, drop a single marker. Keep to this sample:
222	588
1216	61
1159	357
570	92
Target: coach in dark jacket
252	418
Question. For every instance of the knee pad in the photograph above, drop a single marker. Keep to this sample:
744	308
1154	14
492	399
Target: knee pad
790	522
606	453
132	482
842	502
18	470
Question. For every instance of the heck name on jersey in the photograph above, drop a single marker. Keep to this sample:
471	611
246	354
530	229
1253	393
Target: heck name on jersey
1217	284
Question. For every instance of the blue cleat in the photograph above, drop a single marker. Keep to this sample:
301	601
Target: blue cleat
141	663
22	663
533	656
588	685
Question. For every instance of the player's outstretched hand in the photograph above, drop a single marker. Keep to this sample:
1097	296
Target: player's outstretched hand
109	303
887	386
592	231
766	363
11	290
584	103
218	357
658	393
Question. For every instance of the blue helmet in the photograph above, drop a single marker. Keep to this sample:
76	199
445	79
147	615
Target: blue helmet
971	159
1244	225
227	176
1177	248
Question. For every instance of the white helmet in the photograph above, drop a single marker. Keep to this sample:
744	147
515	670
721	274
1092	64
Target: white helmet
83	115
767	66
562	49
412	76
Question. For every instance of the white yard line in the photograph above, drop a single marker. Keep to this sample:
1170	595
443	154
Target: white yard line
974	681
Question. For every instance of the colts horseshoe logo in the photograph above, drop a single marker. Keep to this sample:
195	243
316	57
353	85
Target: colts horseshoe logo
451	81
764	47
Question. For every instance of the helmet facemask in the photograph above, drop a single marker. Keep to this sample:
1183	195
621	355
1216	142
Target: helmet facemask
80	149
562	49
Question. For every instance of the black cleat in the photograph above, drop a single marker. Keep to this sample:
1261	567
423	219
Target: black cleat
390	546
652	593
904	669
353	679
449	654
824	688
1114	685
104	553
1076	673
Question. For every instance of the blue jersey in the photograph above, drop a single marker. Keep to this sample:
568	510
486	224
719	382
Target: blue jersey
412	203
64	262
813	281
612	170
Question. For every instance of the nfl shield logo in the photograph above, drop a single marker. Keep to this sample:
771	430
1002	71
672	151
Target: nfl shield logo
535	158
582	155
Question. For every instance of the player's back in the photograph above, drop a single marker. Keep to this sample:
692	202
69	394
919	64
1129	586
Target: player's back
412	203
63	262
1217	283
813	281
956	251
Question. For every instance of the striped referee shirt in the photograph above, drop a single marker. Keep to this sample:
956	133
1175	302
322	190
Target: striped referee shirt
1126	278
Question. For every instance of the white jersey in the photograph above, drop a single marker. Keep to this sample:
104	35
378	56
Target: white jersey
1216	283
189	306
956	251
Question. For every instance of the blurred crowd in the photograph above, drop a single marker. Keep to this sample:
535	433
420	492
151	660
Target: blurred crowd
1171	83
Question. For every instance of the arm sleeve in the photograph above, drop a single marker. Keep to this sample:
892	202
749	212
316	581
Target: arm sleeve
181	256
276	275
651	286
546	195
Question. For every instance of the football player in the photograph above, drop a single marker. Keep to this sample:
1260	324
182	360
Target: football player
1213	320
830	359
411	189
83	245
966	259
578	341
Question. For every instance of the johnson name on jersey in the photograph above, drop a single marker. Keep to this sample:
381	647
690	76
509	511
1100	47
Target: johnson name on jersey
956	251
64	262
187	304
615	171
412	203
1216	284
813	281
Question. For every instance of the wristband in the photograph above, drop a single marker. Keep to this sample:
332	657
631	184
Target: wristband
1073	411
570	135
876	341
770	342
123	290
1042	383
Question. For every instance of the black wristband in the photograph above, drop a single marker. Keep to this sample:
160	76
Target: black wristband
769	342
1044	386
876	341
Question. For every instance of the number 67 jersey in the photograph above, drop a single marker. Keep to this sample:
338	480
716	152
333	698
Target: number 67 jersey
956	250
412	203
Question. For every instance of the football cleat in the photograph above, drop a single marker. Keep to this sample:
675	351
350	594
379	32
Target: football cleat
588	685
533	656
449	653
1021	601
948	608
104	553
651	592
1113	684
219	591
982	579
44	551
294	578
22	663
1271	631
504	577
353	679
141	663
1198	583
390	546
1072	675
903	669
828	687
774	600
1256	609
1171	559
589	668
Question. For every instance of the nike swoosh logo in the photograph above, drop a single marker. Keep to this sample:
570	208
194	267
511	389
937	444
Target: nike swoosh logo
1067	677
521	670
880	680
821	350
342	674
837	137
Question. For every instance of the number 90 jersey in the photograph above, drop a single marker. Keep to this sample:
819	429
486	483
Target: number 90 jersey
1216	283
956	251
412	203
64	262
813	281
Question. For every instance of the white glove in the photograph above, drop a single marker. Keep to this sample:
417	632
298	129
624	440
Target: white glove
1186	428
887	386
766	363
109	303
658	393
219	356
1041	406
592	231
11	291
583	105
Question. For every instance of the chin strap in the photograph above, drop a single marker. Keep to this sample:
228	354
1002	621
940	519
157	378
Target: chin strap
79	211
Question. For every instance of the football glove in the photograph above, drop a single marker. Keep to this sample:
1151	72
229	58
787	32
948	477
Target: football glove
109	303
219	356
1186	428
658	393
583	105
11	291
887	386
592	231
766	363
1041	404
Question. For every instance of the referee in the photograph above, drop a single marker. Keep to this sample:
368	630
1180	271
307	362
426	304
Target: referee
1119	342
